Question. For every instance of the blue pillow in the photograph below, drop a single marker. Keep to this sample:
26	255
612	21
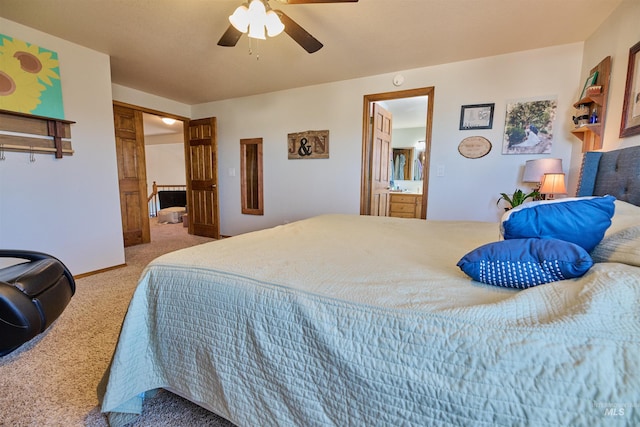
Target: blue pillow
523	263
579	220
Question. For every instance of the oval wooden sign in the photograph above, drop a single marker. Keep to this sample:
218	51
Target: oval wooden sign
474	147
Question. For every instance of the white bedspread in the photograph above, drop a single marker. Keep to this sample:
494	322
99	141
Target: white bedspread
364	321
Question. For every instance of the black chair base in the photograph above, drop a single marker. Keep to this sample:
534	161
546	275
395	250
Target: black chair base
33	294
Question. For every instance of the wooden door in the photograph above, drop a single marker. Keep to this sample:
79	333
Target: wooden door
381	153
132	175
202	177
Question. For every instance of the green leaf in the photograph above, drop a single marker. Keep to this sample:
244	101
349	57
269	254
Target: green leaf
518	197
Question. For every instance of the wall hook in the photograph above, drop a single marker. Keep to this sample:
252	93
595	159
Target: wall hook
32	155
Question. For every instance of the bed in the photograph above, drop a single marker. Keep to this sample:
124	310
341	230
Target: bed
364	321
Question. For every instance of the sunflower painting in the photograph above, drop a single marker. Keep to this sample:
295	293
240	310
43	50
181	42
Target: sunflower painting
29	79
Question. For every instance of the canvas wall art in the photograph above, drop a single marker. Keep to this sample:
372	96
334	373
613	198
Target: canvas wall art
529	127
29	79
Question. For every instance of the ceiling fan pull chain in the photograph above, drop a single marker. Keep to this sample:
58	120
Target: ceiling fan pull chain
251	49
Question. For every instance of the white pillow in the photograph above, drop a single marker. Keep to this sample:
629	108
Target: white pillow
621	242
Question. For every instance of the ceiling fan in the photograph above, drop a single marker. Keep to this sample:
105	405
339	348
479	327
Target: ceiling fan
274	21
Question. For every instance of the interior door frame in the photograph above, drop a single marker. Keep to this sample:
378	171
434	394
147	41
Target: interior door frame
368	100
184	120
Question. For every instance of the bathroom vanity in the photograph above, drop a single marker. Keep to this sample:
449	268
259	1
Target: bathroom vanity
405	205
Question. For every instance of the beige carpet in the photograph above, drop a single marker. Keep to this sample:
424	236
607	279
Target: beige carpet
52	380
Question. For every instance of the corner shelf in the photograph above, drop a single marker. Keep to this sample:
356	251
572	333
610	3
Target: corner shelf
591	134
34	134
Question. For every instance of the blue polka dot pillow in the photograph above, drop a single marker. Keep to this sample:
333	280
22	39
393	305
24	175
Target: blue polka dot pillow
523	263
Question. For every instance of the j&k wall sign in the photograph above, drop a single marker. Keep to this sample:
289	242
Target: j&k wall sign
312	144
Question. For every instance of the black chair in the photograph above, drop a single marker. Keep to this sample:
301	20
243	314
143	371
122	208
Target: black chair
32	295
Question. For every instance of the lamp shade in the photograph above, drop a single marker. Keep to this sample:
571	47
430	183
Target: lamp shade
257	19
553	183
273	24
240	19
535	169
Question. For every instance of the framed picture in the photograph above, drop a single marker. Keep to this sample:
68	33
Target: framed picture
591	80
529	126
631	108
478	116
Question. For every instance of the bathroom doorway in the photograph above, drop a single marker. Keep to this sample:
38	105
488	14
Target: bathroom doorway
398	101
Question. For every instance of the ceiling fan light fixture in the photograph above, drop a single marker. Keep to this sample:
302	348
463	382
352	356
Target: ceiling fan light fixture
240	18
256	31
257	19
273	24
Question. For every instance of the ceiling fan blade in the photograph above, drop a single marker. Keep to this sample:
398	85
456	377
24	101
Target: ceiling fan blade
316	1
299	34
230	37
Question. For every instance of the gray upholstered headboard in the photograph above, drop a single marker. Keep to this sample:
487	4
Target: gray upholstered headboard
613	172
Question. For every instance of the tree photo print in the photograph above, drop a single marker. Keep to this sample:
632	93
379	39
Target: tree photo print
529	127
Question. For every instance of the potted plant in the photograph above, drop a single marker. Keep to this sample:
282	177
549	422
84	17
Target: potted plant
518	197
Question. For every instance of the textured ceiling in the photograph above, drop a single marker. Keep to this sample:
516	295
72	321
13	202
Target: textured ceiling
168	47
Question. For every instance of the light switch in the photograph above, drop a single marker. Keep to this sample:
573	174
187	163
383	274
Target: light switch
440	170
232	171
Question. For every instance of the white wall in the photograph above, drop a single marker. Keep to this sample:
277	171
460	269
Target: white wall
147	100
615	36
68	207
165	164
295	189
406	137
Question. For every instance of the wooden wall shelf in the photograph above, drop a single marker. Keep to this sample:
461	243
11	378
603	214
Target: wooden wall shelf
35	134
591	135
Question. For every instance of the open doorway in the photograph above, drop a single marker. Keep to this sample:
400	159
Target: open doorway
166	176
165	166
403	103
200	164
132	170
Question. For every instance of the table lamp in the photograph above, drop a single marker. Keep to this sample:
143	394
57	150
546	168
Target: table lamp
552	184
534	170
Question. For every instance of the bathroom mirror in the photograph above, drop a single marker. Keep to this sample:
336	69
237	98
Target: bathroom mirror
403	163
